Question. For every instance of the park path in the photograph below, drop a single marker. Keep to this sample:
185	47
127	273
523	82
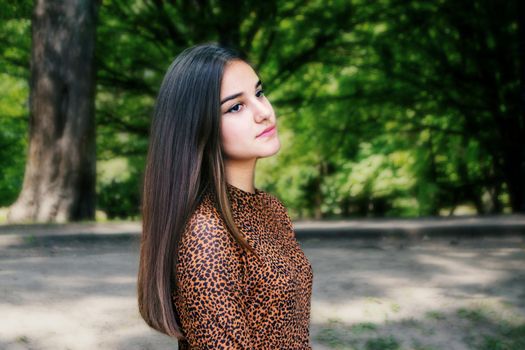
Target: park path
70	293
414	228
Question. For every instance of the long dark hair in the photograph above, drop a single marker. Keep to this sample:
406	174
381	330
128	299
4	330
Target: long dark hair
184	161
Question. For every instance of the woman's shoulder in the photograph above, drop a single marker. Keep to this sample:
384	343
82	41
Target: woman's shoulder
206	236
205	219
206	227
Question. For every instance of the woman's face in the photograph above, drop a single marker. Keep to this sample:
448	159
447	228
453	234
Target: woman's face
245	114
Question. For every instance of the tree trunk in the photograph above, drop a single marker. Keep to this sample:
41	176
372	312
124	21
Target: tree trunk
60	173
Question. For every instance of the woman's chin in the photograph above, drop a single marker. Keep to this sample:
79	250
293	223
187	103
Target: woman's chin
271	150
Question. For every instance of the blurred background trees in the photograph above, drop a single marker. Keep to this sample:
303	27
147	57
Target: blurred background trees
391	108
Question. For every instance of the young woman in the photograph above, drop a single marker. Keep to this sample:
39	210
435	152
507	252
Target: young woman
220	267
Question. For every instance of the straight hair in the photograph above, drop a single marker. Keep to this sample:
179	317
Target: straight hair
184	161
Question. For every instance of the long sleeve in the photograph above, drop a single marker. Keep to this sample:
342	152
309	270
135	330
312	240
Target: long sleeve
227	299
210	293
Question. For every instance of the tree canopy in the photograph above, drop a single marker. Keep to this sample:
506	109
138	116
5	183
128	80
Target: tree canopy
391	108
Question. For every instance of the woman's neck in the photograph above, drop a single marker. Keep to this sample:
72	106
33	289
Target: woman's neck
241	174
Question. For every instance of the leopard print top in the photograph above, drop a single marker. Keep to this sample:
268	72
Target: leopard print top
226	298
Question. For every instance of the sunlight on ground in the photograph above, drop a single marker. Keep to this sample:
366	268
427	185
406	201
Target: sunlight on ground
3	214
481	325
430	296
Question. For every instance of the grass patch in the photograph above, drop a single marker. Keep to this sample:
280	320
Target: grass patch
472	315
507	338
482	327
333	338
22	339
395	307
334	335
362	336
435	315
416	345
363	327
494	328
382	343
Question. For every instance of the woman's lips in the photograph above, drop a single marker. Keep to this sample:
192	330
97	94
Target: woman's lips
268	132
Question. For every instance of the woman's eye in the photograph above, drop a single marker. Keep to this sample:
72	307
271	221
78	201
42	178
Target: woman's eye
235	108
259	93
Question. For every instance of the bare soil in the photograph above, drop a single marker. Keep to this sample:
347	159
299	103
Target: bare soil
425	294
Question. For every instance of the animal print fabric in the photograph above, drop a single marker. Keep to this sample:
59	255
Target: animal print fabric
226	298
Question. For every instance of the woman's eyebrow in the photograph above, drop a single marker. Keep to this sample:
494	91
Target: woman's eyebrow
231	97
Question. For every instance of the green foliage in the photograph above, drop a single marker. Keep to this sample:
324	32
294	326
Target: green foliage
384	109
119	198
15	9
119	189
15	39
14	109
13	136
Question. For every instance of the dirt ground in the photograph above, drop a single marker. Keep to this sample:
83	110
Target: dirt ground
367	294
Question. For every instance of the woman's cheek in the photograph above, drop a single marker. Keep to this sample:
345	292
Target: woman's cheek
231	137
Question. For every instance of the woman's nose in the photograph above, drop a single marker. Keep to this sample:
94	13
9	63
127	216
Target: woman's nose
262	110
